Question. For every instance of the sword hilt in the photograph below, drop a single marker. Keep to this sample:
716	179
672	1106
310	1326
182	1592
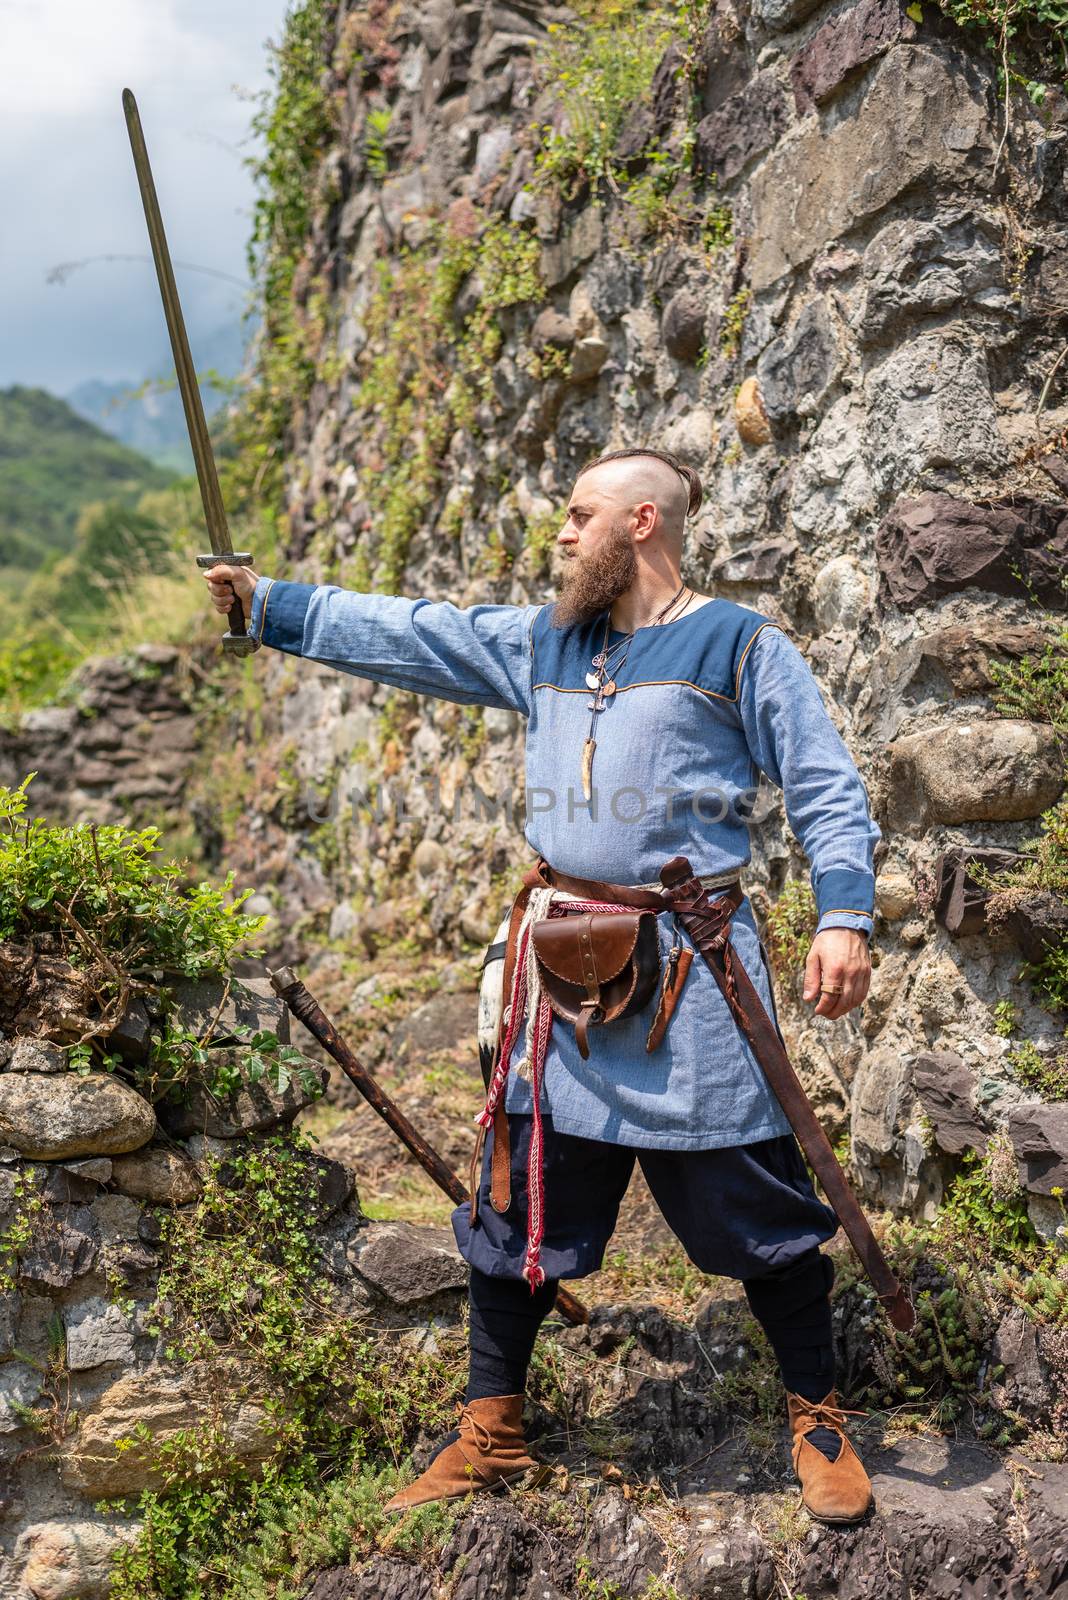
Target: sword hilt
237	640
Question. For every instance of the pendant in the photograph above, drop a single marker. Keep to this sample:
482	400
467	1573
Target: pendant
593	680
595	705
599	659
587	768
608	689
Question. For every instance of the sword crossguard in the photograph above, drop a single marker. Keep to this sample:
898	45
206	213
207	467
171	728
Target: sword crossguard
227	558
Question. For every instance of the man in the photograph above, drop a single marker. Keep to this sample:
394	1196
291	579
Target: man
652	711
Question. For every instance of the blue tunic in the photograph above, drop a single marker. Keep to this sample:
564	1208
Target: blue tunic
703	706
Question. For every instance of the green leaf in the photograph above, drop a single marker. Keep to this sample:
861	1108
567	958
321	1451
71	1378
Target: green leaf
915	12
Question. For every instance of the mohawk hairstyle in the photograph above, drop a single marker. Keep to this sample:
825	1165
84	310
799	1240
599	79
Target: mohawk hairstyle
687	474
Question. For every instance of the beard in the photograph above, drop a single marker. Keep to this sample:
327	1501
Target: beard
590	583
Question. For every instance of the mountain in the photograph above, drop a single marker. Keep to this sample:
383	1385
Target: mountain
151	420
52	464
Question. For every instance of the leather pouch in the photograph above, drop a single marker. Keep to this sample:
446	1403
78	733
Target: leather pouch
597	966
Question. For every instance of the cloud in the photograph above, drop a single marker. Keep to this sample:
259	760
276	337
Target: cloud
68	181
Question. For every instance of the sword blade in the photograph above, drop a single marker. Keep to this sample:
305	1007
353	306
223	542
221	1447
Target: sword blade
203	457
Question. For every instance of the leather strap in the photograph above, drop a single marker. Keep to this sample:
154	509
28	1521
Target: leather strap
707	921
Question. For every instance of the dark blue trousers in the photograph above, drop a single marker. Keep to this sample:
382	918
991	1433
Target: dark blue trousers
739	1212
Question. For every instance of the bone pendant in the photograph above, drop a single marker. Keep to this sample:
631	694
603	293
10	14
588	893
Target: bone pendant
587	768
592	681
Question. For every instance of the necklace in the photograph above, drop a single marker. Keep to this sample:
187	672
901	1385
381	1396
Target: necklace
602	679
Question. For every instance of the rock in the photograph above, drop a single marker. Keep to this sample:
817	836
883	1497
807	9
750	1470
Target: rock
245	1010
20	1386
54	1117
446	1021
251	1109
842	44
682	327
757	564
1015	1347
552	331
841	596
744	125
614	283
581	241
494	147
624	1549
959	901
928	120
733	1564
946	1085
832	489
929	406
64	1246
101	1460
408	1264
428	858
916	269
97	1169
1045	286
963	653
691	436
98	1334
1039	1135
937	544
797	369
750	416
588	356
988	769
36	1055
1039	924
775	15
895	896
132	1034
69	1560
880	1108
157	1174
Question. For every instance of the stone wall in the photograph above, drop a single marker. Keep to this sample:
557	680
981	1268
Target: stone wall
90	1391
860	376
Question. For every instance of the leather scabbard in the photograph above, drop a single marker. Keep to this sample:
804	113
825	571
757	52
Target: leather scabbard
706	918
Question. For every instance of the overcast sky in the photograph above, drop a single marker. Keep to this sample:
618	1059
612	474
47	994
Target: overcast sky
67	184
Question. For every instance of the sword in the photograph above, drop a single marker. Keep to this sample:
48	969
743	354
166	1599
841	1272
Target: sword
237	640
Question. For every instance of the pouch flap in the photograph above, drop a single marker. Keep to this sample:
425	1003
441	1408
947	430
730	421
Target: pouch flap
588	948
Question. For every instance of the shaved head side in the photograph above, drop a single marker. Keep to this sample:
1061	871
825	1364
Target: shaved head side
653	475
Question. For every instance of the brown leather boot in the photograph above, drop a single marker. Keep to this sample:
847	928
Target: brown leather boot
833	1491
490	1452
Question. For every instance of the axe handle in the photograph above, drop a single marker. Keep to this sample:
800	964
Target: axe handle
307	1010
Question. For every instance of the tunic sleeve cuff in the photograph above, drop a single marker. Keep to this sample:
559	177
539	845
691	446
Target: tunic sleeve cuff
278	612
845	899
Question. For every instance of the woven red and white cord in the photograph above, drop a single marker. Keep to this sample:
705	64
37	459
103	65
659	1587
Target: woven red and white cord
538	1031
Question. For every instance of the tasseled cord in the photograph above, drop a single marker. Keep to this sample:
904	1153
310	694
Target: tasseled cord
529	998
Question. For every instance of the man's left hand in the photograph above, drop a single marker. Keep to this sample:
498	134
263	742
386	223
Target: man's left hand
838	958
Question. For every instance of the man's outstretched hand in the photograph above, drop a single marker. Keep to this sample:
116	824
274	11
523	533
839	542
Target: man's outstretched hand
224	582
838	957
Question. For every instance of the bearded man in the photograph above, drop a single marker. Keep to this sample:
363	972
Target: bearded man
651	713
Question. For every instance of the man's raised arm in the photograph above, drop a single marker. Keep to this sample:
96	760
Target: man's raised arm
478	655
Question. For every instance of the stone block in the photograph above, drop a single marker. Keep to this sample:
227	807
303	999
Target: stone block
937	544
253	1108
915	268
68	1560
100	1460
742	128
157	1174
250	1006
844	43
750	414
921	121
988	769
796	370
683	325
581	240
99	1334
54	1117
408	1264
1039	1134
946	1086
930	406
